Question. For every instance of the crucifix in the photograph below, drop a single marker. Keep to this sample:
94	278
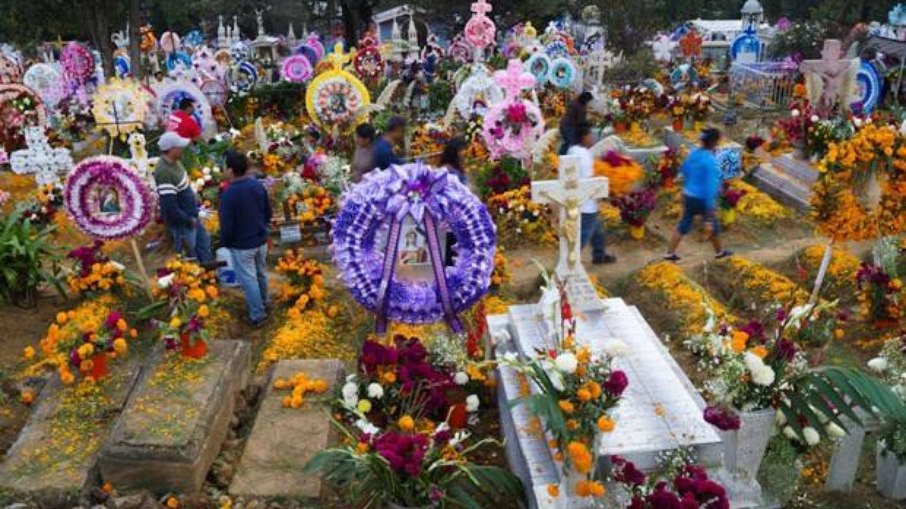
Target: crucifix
568	193
826	77
46	163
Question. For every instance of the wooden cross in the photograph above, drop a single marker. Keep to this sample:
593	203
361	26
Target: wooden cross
569	192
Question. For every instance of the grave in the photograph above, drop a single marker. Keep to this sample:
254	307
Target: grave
641	154
283	440
171	431
729	153
788	180
54	459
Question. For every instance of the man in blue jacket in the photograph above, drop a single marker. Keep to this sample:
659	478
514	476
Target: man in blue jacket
701	185
245	216
178	203
384	155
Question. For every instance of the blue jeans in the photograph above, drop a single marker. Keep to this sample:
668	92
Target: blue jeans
193	242
251	273
593	231
696	207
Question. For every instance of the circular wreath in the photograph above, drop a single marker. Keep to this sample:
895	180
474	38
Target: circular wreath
480	31
562	73
296	69
216	91
239	51
245	76
334	96
512	126
368	62
413	190
840	204
179	59
478	89
121	66
120	106
539	64
557	49
77	62
730	164
869	86
170	95
107	199
46	81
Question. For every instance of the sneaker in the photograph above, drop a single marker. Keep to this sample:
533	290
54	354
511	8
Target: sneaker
723	254
257	324
673	257
607	259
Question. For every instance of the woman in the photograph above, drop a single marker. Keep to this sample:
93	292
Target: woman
451	159
363	159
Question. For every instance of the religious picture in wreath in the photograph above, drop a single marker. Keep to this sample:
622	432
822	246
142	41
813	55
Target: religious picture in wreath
109	202
413	248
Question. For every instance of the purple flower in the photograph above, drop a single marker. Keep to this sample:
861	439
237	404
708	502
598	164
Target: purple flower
616	384
435	494
722	418
403	452
625	472
784	350
112	319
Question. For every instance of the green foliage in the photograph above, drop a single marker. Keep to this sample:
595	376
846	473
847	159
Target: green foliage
499	177
28	259
894	437
281	101
774	473
804	39
440	93
636	67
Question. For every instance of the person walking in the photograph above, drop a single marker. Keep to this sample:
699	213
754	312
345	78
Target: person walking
576	115
384	153
178	203
363	159
245	216
182	121
592	229
701	185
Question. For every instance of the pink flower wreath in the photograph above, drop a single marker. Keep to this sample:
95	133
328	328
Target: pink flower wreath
514	125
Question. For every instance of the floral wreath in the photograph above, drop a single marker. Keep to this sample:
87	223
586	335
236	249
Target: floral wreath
459	50
539	64
239	51
479	86
368	62
107	199
77	62
312	49
334	96
120	106
12	91
875	155
296	69
730	164
245	76
170	94
480	31
562	72
557	49
514	125
432	199
46	81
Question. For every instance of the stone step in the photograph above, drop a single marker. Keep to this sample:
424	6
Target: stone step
54	460
283	440
171	431
782	187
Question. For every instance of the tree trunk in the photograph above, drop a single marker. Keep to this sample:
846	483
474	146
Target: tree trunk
135	52
96	14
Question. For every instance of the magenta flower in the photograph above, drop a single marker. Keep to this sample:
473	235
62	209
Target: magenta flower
616	384
722	418
517	113
403	452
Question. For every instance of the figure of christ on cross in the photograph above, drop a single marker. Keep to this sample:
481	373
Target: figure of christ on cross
569	192
831	71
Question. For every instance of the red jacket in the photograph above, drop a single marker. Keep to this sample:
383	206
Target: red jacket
184	125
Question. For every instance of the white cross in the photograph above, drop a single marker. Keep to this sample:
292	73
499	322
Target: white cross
569	192
826	76
40	159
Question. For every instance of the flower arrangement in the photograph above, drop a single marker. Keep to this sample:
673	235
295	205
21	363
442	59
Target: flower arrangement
880	295
891	365
428	141
513	125
189	294
501	176
622	172
730	196
48	200
518	218
95	273
303	280
689	488
308	203
636	206
666	170
85	338
699	107
632	105
501	274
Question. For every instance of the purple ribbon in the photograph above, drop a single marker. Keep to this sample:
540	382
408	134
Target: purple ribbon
393	241
437	263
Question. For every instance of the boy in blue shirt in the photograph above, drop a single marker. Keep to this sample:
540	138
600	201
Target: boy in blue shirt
384	156
701	185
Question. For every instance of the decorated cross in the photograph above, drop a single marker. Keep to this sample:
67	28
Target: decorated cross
339	58
40	159
569	192
691	44
480	31
514	79
482	7
827	78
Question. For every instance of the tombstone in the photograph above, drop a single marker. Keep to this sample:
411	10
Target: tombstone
55	456
171	431
40	159
831	80
283	440
729	153
787	180
641	154
568	194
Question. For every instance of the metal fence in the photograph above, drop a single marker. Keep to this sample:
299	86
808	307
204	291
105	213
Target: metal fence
763	85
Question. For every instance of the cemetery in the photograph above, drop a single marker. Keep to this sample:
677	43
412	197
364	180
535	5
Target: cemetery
293	254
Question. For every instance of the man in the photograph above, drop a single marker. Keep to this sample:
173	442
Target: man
701	185
363	158
178	203
592	230
245	216
384	154
575	116
182	122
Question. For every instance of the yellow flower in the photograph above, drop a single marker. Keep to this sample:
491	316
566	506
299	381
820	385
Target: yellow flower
364	406
62	318
204	311
120	346
406	423
175	322
738	341
567	407
29	353
172	503
553	490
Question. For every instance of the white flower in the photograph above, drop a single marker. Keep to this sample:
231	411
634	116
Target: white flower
615	348
218	138
461	378
117	265
780	419
868	120
789	433
761	373
878	364
375	391
458	438
500	210
216	169
814	119
200	182
857	122
510	357
812	437
795	113
472	403
166	281
350	392
208	178
366	427
206	171
567	362
521	208
835	431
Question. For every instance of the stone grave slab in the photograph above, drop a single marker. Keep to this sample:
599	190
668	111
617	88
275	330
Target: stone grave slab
676	140
176	420
54	458
787	180
283	440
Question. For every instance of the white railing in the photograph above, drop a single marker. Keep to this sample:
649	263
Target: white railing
766	85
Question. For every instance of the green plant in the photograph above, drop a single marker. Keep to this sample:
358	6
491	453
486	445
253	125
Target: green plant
28	259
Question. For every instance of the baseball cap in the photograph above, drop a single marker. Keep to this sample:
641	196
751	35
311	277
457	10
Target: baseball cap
171	140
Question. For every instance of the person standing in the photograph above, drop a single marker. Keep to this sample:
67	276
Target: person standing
182	121
701	185
592	229
178	203
576	115
451	159
384	154
363	159
245	216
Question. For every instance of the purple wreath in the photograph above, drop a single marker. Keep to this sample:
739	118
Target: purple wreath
107	199
435	199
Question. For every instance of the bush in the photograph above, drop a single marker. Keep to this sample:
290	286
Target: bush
636	67
28	259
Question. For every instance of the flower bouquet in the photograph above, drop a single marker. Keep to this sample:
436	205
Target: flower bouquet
699	108
728	200
676	107
189	294
518	218
303	280
500	177
48	200
95	273
664	175
879	296
688	488
635	208
515	126
622	172
307	202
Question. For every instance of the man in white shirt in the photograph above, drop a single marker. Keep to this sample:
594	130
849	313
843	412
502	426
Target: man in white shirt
592	230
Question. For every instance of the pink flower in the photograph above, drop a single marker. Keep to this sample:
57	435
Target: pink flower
517	113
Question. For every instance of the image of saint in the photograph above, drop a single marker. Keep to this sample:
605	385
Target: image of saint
109	201
414	251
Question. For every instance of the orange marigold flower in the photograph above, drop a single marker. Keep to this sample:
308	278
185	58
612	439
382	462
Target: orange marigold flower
553	490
